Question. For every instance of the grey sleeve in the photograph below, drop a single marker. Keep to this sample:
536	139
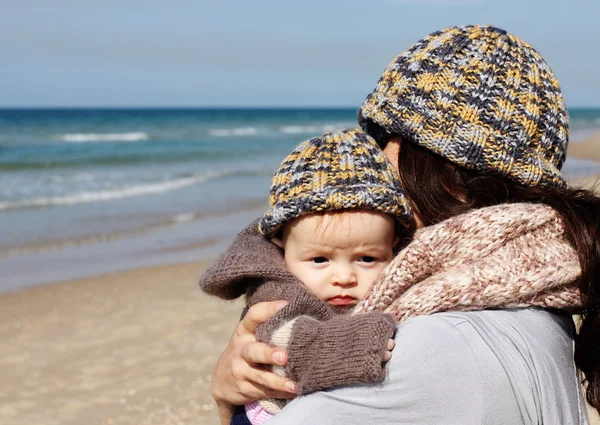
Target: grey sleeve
434	377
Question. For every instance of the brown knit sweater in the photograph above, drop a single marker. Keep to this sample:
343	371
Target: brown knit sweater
325	349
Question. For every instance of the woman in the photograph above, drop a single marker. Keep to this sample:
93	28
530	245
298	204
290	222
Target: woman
474	119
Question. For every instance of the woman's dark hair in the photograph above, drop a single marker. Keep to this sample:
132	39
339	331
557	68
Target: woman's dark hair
439	189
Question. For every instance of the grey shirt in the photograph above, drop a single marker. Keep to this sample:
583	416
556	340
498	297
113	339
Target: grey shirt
486	367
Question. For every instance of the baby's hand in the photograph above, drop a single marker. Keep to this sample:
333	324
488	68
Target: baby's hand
388	350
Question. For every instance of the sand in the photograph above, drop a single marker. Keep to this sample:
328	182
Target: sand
135	347
588	149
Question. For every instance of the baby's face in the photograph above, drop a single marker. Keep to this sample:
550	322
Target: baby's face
338	256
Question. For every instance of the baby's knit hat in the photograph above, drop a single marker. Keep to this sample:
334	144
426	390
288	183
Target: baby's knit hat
480	97
340	170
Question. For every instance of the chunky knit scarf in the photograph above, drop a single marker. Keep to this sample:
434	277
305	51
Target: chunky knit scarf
504	256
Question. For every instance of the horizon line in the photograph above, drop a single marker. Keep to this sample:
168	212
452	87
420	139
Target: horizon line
204	107
3	107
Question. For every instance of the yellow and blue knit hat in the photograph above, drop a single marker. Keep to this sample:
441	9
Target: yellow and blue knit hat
340	170
480	97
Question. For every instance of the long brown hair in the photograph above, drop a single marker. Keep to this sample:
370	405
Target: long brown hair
440	189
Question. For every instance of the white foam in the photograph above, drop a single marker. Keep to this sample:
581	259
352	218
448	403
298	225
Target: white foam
304	129
183	218
135	136
110	195
226	132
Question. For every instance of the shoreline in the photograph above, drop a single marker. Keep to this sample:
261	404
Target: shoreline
180	242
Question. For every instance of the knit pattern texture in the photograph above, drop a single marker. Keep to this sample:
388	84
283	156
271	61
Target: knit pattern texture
340	170
480	97
504	256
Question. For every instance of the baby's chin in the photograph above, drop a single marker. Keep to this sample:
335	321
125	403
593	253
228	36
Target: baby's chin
342	309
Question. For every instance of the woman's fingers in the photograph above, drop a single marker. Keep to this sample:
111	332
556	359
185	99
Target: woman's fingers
255	391
257	352
272	385
251	382
260	313
239	375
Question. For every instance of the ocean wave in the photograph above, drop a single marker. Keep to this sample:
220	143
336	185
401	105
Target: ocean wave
113	158
111	195
304	129
227	132
183	217
135	136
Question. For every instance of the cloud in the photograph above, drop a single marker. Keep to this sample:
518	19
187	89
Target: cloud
446	3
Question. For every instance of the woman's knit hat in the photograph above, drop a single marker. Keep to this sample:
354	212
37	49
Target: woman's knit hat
480	97
340	170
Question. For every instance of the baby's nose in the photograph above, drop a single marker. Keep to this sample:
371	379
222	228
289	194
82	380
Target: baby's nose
344	276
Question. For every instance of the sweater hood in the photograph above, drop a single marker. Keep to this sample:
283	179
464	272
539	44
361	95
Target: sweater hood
249	261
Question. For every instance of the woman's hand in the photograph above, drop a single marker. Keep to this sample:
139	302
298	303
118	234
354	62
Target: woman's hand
239	376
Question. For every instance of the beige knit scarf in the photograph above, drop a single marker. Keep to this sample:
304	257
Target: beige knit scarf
504	256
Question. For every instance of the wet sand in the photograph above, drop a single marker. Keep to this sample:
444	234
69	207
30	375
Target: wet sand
134	347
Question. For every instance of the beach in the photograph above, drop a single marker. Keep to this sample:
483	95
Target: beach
135	347
128	347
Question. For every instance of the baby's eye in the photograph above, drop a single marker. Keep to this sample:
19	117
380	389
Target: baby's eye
319	260
367	259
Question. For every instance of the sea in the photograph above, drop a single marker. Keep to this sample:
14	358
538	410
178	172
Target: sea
90	191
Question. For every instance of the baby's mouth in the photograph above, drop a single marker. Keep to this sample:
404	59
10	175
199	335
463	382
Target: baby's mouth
341	301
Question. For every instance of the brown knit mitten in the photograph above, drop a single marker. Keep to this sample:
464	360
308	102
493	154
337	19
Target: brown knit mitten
342	350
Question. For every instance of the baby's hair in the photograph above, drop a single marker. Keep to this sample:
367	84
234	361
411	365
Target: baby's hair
338	217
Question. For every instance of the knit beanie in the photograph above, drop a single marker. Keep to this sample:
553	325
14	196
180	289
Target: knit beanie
480	97
340	170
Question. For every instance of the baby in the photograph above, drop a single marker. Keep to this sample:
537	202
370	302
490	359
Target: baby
337	211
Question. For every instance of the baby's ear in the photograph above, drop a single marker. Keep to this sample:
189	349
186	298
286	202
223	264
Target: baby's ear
277	241
397	240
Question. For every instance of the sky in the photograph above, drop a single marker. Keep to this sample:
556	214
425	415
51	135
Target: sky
258	53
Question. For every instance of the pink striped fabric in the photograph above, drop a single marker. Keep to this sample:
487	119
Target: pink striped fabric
256	413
